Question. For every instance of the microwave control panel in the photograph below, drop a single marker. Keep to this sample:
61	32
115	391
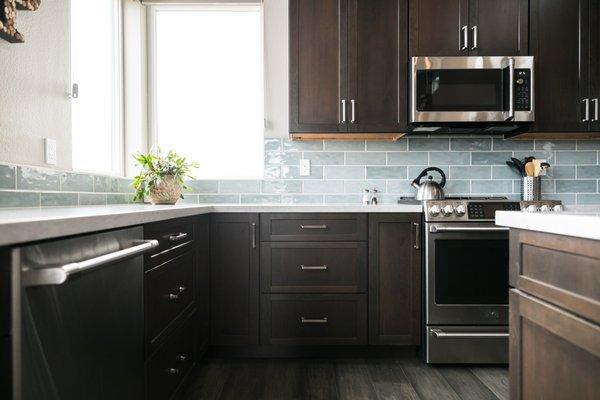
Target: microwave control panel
522	85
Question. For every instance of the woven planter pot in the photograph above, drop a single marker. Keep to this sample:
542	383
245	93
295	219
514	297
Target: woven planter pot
168	192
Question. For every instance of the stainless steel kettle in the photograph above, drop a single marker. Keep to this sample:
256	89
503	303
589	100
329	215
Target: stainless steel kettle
429	190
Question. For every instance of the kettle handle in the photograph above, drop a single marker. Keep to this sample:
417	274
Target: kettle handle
424	173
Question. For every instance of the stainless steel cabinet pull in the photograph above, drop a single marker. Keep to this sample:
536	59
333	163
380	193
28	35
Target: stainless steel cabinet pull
313	226
178	237
474	30
313	320
417	235
586	118
343	121
253	235
465	38
173	296
596	116
313	267
438	333
173	371
353	115
59	275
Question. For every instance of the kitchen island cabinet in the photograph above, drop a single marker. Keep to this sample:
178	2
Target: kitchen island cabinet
554	306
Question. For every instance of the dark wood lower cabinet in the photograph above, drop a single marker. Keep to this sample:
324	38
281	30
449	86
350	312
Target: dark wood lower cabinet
234	279
314	319
394	279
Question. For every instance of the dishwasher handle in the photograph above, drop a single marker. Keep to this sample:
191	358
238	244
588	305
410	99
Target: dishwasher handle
59	275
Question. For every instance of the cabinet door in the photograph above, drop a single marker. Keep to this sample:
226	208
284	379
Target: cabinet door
560	44
553	354
394	279
498	28
437	27
377	67
318	78
595	64
234	278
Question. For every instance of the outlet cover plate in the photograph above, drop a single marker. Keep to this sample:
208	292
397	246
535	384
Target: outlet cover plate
50	151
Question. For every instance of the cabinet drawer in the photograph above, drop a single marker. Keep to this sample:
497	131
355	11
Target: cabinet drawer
169	291
308	227
170	365
561	270
313	267
318	319
174	237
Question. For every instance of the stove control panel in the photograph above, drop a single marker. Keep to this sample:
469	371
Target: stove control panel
482	210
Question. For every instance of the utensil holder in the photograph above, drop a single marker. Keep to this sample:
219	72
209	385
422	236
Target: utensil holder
531	188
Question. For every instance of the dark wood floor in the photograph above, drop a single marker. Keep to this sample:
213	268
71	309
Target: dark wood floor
355	379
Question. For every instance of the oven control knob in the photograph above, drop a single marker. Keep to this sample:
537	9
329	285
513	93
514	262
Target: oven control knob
460	210
434	211
544	208
447	210
531	208
557	208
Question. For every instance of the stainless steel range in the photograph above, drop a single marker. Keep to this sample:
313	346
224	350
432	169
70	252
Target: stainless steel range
466	279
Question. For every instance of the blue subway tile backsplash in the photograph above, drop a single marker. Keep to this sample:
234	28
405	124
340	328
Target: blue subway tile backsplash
340	171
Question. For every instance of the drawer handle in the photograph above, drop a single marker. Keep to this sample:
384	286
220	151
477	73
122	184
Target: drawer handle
173	371
173	296
177	237
313	267
182	358
313	226
313	320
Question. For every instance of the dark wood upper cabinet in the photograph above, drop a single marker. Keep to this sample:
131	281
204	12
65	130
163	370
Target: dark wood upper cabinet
348	66
498	28
437	27
318	82
377	65
560	43
394	279
468	27
234	279
595	64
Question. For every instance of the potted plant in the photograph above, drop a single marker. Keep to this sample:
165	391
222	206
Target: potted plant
162	177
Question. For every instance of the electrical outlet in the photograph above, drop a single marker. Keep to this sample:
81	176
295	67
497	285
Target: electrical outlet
50	150
304	167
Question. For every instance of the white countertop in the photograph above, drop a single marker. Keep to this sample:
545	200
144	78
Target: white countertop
581	222
32	224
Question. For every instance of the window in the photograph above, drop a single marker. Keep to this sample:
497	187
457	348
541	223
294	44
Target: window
96	69
206	68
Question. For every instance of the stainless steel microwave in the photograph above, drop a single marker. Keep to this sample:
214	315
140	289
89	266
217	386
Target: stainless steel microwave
472	90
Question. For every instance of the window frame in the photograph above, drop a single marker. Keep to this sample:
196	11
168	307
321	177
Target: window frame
117	138
151	55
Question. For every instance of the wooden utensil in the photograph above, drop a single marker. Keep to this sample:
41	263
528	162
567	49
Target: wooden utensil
537	167
530	169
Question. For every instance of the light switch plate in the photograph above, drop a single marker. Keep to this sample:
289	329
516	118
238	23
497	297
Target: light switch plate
50	150
304	167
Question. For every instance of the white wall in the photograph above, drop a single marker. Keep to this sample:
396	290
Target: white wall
276	68
34	80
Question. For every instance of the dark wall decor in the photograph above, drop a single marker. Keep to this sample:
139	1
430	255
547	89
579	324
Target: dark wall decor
8	17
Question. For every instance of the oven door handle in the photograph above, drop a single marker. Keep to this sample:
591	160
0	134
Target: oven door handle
435	228
438	333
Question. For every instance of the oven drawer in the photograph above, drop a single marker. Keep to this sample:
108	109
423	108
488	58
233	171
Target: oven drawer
313	227
466	344
174	237
170	365
313	267
169	291
317	319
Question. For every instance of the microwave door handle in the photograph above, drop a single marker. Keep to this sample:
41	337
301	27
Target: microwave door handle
511	89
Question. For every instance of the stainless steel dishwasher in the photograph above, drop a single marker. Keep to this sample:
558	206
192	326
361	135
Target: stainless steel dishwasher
77	312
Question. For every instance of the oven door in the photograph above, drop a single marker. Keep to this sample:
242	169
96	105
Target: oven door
466	274
469	89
